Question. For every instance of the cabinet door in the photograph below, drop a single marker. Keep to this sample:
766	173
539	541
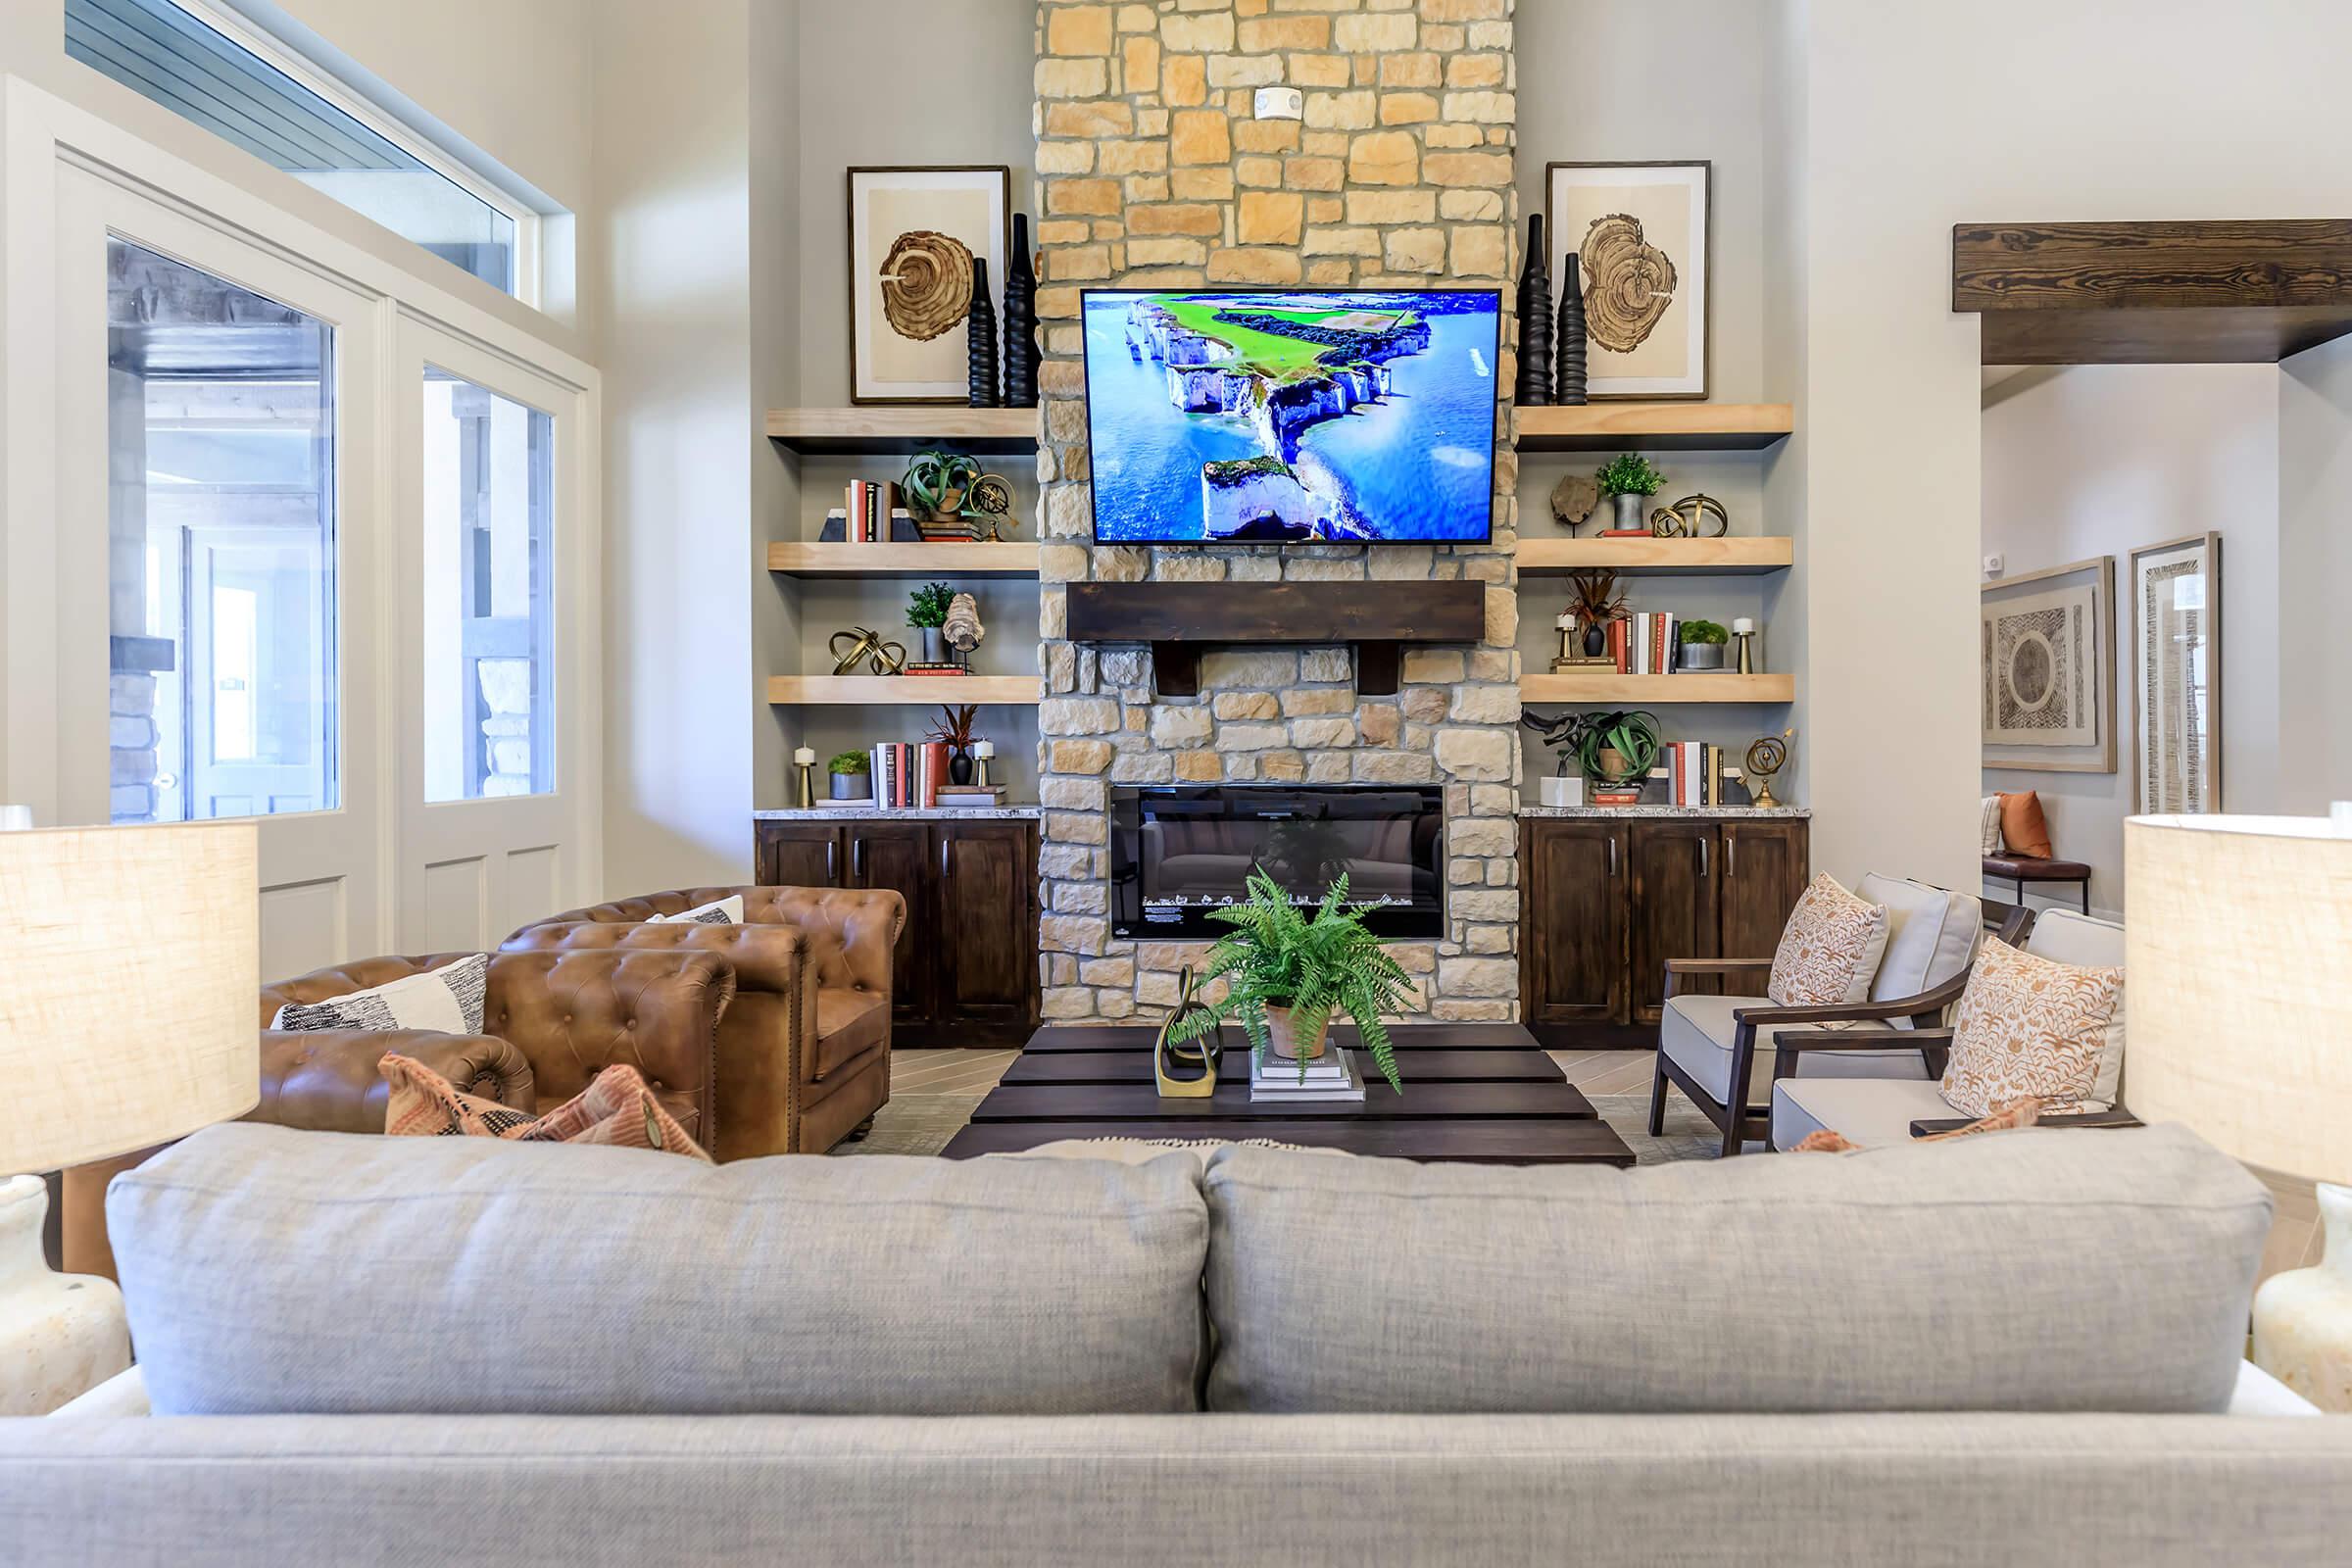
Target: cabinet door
1572	931
986	935
798	855
1763	875
1671	903
898	855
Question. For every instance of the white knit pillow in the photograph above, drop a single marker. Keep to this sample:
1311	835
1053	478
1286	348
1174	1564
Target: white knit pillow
446	1001
718	912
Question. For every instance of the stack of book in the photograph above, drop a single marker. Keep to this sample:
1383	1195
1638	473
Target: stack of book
1694	773
917	666
971	795
1331	1079
1645	644
868	508
908	777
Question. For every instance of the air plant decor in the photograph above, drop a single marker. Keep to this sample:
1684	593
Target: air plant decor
1607	748
1286	973
954	727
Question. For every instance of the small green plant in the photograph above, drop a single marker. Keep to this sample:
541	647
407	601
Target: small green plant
927	606
1277	956
1581	738
1704	632
846	762
1629	474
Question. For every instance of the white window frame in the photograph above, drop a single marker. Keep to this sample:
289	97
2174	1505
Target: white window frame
247	34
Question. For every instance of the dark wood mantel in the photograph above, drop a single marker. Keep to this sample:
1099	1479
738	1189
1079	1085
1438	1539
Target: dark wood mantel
1181	618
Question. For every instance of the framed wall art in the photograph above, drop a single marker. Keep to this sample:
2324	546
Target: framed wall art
2176	675
2047	640
1641	234
915	234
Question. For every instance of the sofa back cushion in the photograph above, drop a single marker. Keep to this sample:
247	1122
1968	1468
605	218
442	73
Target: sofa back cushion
2065	937
1931	935
2039	1270
266	1270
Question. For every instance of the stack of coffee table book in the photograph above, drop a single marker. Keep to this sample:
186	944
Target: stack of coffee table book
1331	1078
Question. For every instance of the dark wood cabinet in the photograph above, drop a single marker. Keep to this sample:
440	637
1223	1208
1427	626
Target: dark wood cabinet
1604	902
965	968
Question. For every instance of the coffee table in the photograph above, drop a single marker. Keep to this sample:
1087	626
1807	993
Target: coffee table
1473	1092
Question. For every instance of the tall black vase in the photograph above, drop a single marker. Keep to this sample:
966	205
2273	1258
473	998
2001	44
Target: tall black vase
981	332
1021	355
1535	321
1569	331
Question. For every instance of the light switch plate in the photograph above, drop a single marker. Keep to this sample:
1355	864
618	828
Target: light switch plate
1994	566
1281	103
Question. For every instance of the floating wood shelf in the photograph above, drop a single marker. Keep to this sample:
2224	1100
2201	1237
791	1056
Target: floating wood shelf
904	428
1645	690
950	560
1180	619
1014	691
1727	557
1655	428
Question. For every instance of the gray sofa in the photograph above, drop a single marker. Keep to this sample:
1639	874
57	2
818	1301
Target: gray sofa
2012	1348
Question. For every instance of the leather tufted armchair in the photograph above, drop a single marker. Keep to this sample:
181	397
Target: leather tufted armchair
804	1053
551	1022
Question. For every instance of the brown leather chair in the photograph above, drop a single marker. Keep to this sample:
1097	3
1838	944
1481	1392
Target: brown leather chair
551	1022
804	1053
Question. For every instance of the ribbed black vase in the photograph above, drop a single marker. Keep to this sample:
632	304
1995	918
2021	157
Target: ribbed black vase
1535	321
1569	374
980	329
1021	354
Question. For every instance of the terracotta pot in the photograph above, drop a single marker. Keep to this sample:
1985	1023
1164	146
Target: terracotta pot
1615	766
1296	1037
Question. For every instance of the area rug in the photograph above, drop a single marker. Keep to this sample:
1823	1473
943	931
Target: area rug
914	1124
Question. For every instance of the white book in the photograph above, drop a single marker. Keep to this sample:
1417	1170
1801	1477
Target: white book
1278	1081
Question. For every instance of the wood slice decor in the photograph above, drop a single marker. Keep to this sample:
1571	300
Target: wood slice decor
927	284
1633	284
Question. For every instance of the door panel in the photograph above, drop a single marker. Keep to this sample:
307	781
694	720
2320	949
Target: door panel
986	932
1572	943
1673	910
1764	873
898	855
798	855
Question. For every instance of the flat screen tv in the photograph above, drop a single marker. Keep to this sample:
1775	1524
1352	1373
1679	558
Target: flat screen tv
1272	416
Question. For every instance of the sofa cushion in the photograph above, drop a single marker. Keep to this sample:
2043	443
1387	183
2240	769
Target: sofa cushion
1872	1112
849	1024
269	1270
2032	1271
1931	935
1697	1033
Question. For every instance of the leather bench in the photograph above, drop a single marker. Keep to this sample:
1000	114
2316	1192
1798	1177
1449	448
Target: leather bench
2019	869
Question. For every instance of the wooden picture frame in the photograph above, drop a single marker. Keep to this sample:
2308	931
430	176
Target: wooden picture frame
2081	594
2169	775
1634	373
906	324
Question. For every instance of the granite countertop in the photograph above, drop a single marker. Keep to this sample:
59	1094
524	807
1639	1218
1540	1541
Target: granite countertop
852	812
1667	810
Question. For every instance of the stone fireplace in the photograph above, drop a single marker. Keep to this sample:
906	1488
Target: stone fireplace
1153	172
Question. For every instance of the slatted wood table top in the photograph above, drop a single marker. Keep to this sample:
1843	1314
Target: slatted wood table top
1481	1092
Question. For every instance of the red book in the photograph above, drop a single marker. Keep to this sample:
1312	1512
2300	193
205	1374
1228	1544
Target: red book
933	773
1619	647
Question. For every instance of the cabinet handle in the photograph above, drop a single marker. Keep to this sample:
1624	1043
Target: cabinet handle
945	866
857	858
1702	859
832	864
1612	855
1730	852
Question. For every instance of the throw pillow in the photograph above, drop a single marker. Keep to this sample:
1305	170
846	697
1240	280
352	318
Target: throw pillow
2028	1026
616	1108
2024	829
446	1001
1988	824
1830	949
718	912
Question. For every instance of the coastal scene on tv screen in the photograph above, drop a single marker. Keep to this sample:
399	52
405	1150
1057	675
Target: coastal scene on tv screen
1356	417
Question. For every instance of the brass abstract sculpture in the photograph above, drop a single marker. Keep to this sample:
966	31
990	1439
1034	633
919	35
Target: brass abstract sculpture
1171	1057
1767	755
886	658
1690	518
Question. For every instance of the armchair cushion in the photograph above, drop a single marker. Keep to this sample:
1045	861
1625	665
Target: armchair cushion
2027	1025
1830	949
849	1024
2065	937
1696	1032
1931	935
1872	1112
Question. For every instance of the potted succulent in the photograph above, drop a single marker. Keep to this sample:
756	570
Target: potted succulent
1631	480
1607	748
1287	971
1702	646
851	772
954	726
927	613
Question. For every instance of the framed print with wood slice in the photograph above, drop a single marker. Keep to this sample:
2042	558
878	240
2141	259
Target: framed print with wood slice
915	234
2047	642
1640	233
2176	679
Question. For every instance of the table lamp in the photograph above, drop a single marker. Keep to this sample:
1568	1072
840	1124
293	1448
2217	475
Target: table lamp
126	1020
2237	949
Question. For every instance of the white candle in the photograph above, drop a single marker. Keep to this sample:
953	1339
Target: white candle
805	756
1565	621
1743	626
984	748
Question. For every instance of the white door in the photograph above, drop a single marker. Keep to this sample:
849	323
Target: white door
497	659
218	554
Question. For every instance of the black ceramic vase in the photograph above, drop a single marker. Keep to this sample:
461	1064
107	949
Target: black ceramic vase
959	765
1569	382
1535	321
1021	354
981	332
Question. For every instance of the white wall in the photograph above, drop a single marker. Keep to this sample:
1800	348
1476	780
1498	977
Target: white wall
2102	460
2315	579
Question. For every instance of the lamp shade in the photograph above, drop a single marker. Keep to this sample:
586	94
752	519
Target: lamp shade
2237	940
129	960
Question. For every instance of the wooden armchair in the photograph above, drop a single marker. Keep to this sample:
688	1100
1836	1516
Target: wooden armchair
1707	1045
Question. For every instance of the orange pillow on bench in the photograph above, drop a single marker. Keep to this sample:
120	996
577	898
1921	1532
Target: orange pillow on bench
616	1108
2024	831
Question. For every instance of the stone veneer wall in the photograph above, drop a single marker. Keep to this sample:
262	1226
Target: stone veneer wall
1153	172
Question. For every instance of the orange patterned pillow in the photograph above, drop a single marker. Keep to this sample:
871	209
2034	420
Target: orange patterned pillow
2028	1027
1830	949
616	1108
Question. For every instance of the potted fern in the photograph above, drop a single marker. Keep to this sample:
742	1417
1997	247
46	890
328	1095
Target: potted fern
927	613
1286	973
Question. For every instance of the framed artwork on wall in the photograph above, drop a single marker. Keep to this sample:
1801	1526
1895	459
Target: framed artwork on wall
1641	236
2176	675
915	234
2048	641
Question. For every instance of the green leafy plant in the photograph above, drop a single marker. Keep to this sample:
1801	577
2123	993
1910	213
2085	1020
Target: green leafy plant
1629	474
846	762
1581	738
1704	632
927	606
1277	956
